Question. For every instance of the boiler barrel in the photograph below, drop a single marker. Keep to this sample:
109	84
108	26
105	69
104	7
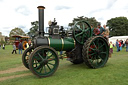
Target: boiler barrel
66	44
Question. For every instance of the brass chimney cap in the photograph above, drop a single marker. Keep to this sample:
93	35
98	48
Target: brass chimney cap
41	7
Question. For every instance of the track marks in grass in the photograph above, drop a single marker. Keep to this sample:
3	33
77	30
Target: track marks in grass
13	70
15	76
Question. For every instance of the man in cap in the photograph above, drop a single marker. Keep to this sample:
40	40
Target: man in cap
101	29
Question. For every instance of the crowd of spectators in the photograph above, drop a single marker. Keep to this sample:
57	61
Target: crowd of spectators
20	47
120	44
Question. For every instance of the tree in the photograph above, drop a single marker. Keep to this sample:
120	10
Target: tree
118	26
92	21
34	28
17	31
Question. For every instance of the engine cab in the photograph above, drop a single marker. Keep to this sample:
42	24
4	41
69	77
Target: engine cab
56	31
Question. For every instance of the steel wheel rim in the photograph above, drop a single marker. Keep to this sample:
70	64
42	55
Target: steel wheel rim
44	62
98	52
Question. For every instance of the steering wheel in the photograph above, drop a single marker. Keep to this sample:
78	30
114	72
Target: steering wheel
81	31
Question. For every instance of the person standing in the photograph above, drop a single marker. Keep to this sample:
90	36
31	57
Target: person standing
117	45
106	32
111	49
3	47
29	44
121	41
126	42
14	48
20	47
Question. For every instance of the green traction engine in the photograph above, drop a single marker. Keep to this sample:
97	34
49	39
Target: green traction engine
78	44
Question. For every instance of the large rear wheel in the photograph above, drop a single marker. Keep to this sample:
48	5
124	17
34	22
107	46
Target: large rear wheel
95	52
44	61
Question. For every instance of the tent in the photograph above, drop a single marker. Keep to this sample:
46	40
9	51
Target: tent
114	38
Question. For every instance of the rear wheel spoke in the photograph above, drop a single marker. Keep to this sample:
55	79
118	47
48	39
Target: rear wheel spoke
94	45
90	51
92	54
91	48
103	52
100	58
98	44
101	46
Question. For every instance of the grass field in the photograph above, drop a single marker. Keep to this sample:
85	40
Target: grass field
115	72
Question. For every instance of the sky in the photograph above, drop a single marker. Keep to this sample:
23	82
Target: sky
20	13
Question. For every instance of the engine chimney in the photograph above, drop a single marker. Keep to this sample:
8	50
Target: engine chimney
41	20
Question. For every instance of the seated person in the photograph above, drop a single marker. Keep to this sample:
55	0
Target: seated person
99	30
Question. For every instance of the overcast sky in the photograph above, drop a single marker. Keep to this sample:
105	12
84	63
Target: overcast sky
20	13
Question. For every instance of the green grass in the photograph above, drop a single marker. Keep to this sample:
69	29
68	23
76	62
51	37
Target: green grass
115	72
8	60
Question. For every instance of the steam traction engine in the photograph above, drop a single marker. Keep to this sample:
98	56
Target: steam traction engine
42	58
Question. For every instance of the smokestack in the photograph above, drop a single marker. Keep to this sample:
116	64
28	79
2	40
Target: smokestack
41	20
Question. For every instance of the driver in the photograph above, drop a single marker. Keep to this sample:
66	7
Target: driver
99	30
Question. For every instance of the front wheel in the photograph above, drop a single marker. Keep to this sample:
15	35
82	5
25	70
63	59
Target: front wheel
44	61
